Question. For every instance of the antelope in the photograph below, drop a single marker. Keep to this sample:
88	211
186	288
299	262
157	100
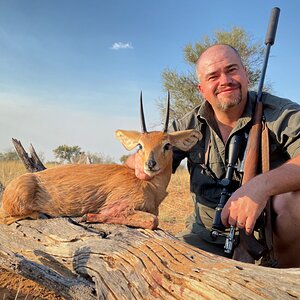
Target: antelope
107	193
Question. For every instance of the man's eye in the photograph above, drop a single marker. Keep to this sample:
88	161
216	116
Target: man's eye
167	147
233	69
212	77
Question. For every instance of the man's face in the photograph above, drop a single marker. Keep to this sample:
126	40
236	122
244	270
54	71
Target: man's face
223	78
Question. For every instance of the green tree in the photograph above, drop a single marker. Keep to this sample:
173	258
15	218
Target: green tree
183	87
9	155
124	157
67	153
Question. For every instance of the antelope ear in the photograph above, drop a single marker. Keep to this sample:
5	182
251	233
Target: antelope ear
129	139
184	140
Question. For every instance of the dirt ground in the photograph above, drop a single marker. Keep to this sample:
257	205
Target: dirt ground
178	205
173	212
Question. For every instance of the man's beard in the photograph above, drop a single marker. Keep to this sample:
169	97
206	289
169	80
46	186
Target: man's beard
227	105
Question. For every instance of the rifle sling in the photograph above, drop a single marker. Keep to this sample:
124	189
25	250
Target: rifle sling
249	243
268	230
265	151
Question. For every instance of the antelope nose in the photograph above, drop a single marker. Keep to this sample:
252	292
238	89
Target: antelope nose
151	164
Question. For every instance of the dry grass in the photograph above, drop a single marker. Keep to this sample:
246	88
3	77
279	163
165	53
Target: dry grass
173	213
178	205
9	170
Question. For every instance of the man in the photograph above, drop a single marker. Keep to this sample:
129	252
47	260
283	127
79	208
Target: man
228	109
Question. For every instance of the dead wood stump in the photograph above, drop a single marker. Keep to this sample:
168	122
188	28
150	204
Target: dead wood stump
100	261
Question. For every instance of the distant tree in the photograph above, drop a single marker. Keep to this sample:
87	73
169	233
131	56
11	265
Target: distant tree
80	158
67	153
73	154
9	155
183	87
99	158
124	157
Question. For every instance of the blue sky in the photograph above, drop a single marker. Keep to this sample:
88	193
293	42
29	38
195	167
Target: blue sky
71	70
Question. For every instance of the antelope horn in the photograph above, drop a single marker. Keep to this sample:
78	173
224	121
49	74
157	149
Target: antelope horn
167	114
144	129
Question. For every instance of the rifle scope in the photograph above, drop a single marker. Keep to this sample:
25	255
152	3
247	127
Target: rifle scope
233	153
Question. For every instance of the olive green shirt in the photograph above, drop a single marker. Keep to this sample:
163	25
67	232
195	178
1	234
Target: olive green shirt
207	160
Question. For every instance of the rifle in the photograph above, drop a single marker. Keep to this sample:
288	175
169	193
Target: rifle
252	155
253	247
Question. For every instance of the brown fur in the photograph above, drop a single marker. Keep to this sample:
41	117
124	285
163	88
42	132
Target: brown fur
113	192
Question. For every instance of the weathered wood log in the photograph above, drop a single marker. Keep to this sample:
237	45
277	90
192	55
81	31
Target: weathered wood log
31	161
101	261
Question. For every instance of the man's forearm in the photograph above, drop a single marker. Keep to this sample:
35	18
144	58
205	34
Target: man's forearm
285	178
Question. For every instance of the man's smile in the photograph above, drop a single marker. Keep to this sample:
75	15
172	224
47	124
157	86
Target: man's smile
227	90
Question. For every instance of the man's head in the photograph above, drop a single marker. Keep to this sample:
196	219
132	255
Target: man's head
223	79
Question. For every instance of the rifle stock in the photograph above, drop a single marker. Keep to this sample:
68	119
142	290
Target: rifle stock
254	142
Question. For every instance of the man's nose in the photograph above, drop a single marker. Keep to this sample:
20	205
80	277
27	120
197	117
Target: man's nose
225	79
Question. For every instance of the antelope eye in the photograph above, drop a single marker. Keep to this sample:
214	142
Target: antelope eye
140	147
167	146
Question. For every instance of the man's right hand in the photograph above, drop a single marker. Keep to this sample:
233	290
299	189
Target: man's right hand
133	162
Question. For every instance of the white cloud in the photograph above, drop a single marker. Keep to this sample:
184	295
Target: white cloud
121	45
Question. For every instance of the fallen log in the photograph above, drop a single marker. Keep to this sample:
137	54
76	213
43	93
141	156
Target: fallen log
101	261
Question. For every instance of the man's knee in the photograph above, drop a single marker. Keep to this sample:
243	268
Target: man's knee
286	218
287	204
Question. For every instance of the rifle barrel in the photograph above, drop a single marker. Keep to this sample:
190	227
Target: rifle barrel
269	41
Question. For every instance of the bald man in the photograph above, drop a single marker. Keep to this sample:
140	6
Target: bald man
228	109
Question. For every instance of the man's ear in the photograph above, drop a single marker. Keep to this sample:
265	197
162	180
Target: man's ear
184	140
129	139
200	88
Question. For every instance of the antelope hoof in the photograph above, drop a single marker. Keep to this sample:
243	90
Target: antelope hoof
94	218
154	224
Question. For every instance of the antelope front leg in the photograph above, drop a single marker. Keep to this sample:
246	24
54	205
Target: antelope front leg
7	219
134	218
